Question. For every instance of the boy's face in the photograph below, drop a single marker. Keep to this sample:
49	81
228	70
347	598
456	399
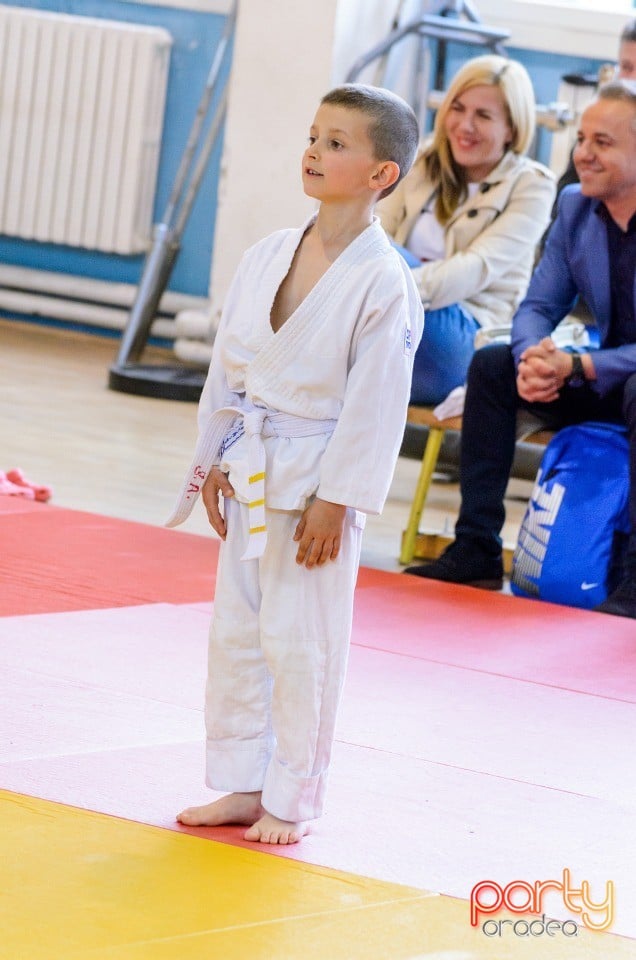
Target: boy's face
339	163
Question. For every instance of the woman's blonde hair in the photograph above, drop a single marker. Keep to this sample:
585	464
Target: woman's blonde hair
516	89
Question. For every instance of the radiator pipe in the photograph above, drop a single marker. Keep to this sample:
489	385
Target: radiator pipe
193	351
71	287
74	311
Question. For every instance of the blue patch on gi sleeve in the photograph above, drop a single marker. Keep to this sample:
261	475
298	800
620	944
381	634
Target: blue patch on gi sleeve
408	341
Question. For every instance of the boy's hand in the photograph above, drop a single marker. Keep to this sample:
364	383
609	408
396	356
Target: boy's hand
319	532
216	483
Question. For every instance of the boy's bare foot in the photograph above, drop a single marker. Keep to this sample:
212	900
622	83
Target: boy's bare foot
244	808
269	829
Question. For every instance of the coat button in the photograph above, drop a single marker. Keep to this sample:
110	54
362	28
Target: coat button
472	213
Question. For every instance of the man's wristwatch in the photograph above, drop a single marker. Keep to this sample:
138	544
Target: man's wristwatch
577	377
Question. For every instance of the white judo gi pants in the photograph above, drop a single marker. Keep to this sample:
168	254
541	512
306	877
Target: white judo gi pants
279	643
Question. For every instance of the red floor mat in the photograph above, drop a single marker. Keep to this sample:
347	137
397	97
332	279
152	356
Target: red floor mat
55	560
508	636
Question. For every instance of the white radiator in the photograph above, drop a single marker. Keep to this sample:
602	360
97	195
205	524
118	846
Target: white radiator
81	114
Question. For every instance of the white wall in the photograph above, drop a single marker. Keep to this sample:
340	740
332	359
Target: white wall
282	66
586	28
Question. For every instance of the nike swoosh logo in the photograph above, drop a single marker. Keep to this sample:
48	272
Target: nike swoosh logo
588	586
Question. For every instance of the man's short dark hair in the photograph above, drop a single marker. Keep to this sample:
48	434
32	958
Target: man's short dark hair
623	89
393	128
628	33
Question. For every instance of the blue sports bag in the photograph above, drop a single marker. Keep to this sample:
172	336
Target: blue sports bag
574	533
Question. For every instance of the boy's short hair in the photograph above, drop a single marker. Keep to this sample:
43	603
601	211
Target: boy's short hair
393	128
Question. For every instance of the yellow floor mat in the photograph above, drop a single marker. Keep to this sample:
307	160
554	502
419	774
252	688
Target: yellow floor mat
76	884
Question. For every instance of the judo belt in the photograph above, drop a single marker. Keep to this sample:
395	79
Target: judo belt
258	422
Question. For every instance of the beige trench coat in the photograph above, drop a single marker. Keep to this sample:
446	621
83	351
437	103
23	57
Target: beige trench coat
490	242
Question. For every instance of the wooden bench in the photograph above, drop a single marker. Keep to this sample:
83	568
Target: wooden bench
428	546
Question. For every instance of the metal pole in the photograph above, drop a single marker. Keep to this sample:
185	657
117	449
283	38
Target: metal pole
156	273
197	125
166	235
199	169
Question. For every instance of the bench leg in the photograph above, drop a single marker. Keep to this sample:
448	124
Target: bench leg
429	461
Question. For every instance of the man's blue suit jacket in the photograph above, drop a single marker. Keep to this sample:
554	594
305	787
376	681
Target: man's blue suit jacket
575	263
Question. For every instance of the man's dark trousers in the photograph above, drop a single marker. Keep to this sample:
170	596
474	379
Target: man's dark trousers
489	435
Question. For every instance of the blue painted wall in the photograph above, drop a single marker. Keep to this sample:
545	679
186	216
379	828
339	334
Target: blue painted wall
195	38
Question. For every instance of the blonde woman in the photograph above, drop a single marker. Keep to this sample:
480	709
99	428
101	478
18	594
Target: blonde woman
470	214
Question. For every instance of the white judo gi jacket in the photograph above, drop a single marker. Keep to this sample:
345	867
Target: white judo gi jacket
343	359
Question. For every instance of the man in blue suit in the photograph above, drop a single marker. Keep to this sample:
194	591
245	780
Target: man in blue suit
590	252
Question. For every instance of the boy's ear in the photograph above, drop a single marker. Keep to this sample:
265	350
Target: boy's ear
385	175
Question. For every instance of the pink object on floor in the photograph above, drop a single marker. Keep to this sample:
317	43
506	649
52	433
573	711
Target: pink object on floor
40	492
11	489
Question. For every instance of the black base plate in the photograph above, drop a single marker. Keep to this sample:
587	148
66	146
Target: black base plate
151	380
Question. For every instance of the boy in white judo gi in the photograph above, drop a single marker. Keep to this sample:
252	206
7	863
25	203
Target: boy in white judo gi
301	420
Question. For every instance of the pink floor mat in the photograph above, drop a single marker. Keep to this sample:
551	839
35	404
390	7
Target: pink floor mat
480	735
